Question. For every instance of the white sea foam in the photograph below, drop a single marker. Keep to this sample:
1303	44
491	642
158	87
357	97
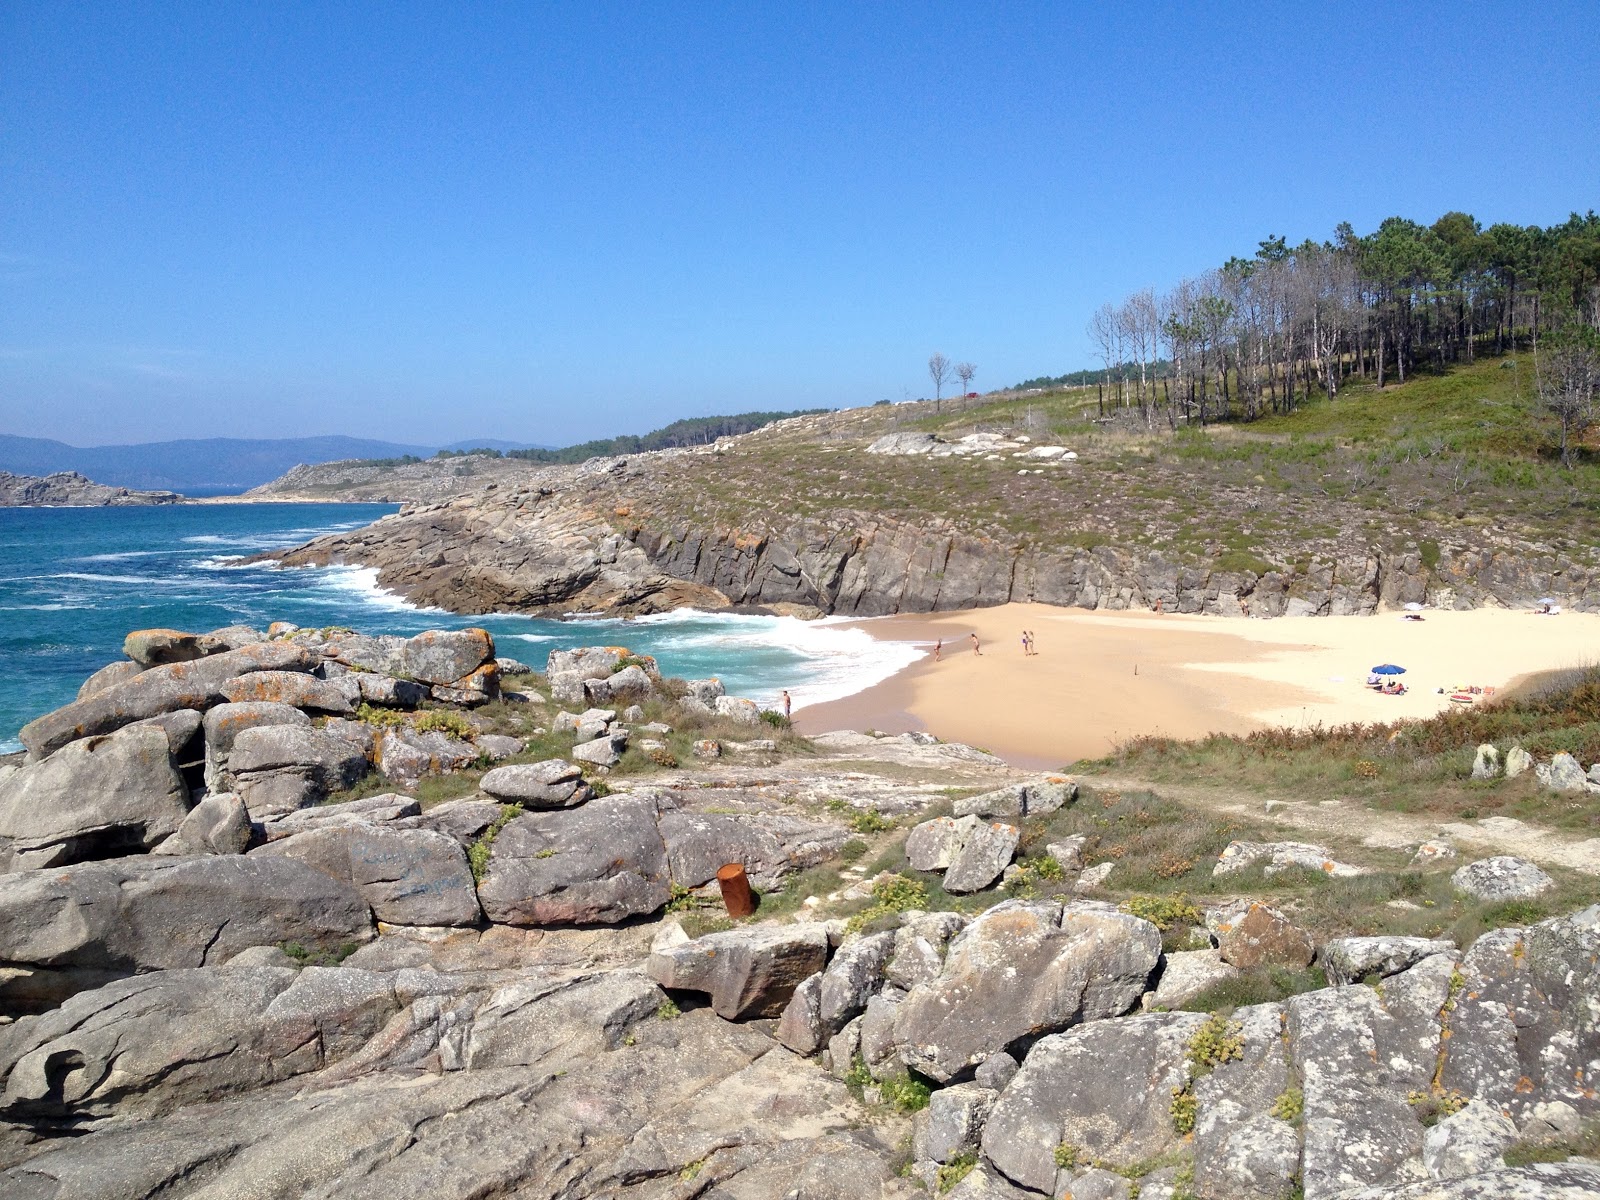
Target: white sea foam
207	539
11	747
533	637
90	577
363	581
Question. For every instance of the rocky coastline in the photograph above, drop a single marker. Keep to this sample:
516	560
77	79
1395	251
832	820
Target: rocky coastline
646	533
308	912
68	489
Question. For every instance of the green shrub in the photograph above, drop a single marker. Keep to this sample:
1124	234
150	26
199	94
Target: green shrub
907	1093
383	718
955	1170
1290	1106
1164	911
479	853
870	821
441	720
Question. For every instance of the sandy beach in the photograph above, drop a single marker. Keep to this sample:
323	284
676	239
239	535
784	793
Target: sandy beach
1101	677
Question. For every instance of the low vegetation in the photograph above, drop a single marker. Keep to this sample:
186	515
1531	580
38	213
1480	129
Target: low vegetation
1408	766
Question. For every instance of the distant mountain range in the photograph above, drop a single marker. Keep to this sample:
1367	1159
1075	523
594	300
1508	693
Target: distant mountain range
200	465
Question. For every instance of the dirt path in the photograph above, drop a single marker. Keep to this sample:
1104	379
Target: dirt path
1372	827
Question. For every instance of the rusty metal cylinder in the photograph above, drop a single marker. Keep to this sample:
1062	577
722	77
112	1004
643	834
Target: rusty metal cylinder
739	900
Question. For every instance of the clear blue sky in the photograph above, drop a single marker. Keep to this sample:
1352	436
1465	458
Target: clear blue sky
549	222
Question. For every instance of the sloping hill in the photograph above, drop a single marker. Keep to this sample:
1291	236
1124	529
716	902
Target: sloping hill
1441	490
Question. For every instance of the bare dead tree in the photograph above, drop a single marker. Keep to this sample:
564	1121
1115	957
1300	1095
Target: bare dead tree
1568	377
964	372
938	371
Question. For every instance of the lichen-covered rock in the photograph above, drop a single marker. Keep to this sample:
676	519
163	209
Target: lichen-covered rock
1518	762
738	710
1359	1129
1037	797
155	691
1021	969
1467	1142
985	854
597	864
1280	856
605	750
953	1122
158	647
406	756
751	972
444	656
107	675
144	1046
1351	959
1486	762
919	947
1502	877
1564	774
1573	1180
1187	973
223	725
934	844
279	768
1525	1023
293	688
1251	934
1243	1149
389	692
98	796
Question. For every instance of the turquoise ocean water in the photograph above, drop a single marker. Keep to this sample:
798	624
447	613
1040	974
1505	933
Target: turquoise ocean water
74	581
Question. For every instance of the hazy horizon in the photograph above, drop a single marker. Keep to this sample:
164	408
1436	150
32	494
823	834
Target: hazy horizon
549	226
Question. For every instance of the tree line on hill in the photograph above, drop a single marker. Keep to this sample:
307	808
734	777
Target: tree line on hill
691	431
1260	335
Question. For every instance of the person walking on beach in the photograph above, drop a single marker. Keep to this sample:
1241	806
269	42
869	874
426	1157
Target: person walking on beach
1024	643
937	647
787	704
975	648
1033	644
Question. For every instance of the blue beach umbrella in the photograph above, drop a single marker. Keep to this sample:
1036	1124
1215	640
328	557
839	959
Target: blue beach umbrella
1388	669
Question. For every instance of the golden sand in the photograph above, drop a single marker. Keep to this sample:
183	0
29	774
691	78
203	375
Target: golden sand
1101	677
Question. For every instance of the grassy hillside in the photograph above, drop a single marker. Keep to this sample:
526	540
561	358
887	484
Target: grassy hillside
1438	456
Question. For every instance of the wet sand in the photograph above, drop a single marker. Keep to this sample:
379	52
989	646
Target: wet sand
1102	677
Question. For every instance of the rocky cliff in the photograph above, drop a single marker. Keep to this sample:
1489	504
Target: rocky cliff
70	489
774	519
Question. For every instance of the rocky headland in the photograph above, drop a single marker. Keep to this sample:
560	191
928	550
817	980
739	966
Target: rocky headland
836	513
68	489
294	913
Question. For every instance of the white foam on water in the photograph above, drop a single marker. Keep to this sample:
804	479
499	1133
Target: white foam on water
12	747
89	577
532	637
363	583
207	539
118	557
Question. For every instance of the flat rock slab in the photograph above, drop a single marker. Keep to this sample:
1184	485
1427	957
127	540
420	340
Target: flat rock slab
1352	959
1280	856
408	876
598	864
1035	798
94	921
553	783
1252	934
159	690
769	847
147	1045
749	972
293	688
1502	877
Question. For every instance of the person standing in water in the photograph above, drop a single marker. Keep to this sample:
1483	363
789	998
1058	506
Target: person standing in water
937	647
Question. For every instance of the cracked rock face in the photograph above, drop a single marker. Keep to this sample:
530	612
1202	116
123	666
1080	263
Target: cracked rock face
1502	878
600	863
1021	969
